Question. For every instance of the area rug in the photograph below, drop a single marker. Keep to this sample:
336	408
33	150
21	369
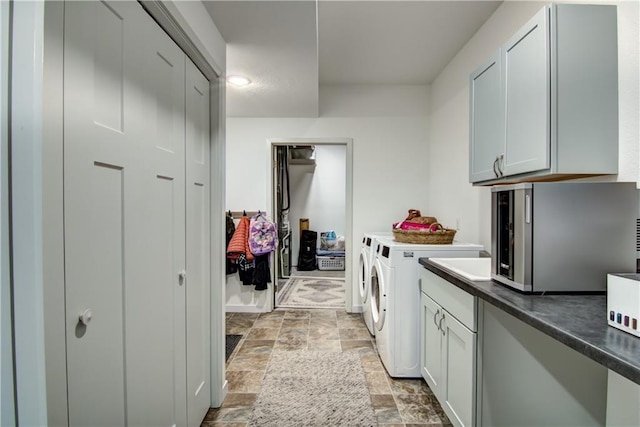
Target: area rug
313	388
231	341
311	292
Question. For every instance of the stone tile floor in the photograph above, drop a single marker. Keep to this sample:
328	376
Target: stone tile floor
397	402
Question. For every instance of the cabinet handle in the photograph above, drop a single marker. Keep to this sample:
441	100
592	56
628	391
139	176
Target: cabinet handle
495	171
434	318
500	160
440	324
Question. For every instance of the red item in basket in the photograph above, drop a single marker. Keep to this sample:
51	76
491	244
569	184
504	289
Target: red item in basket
414	226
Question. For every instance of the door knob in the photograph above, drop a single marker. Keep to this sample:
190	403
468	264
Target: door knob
85	316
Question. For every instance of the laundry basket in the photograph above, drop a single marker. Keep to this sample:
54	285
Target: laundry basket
330	262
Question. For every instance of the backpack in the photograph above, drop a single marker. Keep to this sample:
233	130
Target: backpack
263	236
307	253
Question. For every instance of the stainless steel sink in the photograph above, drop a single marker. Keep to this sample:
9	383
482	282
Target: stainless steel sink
476	269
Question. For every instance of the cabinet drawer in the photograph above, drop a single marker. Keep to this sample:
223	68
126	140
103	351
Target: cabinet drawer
457	302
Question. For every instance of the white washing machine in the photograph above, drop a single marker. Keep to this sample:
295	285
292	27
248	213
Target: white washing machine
395	300
367	256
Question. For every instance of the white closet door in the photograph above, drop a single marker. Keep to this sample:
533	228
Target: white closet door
155	298
198	249
101	155
124	217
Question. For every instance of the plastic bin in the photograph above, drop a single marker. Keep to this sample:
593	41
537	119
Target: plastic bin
330	262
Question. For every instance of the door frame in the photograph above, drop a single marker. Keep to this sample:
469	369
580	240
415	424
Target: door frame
7	377
272	202
38	212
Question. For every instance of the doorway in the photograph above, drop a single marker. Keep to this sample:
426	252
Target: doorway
311	187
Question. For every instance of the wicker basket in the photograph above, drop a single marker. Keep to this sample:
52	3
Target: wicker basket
440	237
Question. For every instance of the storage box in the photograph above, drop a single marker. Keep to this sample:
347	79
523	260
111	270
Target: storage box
623	302
330	262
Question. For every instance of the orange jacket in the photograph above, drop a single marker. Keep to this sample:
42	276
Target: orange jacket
239	243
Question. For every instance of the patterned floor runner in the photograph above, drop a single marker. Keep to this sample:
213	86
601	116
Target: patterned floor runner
313	388
311	292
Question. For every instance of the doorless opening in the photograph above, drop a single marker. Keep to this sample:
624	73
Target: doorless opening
311	187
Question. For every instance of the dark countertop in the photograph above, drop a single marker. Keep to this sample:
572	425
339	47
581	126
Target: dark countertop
578	321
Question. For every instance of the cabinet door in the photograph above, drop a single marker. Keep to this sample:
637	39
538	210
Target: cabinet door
525	61
431	347
459	368
486	120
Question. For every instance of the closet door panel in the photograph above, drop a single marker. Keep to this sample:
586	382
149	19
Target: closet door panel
152	342
156	297
108	58
100	155
198	249
95	352
124	217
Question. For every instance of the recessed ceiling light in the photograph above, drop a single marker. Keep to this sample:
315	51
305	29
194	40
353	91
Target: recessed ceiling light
238	80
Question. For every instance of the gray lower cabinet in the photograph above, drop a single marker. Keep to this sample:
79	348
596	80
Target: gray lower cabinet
448	347
527	378
545	105
623	401
488	367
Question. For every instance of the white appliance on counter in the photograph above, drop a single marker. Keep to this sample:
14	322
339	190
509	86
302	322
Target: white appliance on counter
623	302
395	299
367	256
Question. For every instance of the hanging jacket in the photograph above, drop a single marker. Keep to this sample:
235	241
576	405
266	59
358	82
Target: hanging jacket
262	273
231	266
239	243
246	270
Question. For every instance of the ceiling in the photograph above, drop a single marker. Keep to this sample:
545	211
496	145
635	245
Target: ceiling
289	48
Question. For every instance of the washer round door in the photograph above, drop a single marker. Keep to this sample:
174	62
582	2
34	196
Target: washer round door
364	270
378	295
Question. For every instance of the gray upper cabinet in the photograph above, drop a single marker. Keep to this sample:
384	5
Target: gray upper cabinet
525	60
545	107
486	121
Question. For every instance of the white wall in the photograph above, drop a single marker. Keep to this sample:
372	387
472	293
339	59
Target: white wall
450	194
388	125
318	194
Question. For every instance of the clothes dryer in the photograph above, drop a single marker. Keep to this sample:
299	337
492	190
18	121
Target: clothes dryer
367	256
395	300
